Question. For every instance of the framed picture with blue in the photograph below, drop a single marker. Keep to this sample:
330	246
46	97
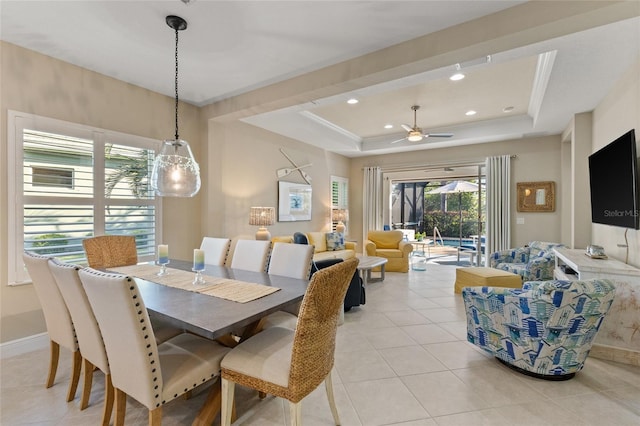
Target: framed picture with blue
294	201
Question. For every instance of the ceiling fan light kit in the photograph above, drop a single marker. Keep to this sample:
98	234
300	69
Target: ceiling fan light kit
415	133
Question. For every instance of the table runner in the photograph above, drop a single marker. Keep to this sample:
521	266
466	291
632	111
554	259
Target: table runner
224	288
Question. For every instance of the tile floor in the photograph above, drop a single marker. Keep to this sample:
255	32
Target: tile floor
401	359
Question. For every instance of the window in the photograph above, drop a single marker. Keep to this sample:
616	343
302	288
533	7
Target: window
339	196
70	182
46	176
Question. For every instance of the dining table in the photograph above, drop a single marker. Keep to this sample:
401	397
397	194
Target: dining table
209	316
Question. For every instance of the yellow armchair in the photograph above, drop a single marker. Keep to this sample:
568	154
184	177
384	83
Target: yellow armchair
390	245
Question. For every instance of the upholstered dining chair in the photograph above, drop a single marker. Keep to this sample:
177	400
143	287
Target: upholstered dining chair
58	320
288	363
251	255
87	331
215	250
294	261
291	260
107	251
152	374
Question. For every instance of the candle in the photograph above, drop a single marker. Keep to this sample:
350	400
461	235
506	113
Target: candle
163	254
198	259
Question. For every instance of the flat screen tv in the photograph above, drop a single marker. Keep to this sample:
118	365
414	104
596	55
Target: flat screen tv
614	182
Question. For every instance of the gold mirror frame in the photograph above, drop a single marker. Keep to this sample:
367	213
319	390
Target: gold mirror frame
536	196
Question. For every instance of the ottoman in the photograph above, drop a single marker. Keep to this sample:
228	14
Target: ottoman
485	277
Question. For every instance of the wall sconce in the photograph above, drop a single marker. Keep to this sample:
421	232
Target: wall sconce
262	217
340	215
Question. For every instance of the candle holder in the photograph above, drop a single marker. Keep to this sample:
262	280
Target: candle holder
163	268
199	279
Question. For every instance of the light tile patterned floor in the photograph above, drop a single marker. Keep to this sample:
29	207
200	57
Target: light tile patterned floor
401	359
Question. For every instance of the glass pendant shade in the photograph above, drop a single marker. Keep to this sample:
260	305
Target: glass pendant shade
175	171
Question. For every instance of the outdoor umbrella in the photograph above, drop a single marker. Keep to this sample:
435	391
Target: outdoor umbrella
458	186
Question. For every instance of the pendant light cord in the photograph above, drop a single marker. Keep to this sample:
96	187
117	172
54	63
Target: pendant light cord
176	86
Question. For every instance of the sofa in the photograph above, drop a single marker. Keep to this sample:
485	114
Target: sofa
390	245
534	262
545	330
327	245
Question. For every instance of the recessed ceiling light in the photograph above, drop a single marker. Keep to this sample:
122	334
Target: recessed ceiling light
388	126
470	112
457	76
507	109
352	101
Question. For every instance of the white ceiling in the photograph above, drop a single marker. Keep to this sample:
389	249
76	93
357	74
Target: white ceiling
232	47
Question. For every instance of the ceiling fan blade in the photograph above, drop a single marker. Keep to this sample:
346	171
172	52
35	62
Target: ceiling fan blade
399	140
438	135
406	127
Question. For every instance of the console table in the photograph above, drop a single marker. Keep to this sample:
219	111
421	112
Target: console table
619	335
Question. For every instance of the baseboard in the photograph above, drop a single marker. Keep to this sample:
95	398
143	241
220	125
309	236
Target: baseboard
24	345
611	353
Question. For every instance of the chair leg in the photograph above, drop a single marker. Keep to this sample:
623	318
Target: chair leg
328	384
86	383
54	356
121	407
108	400
76	367
155	416
295	411
228	388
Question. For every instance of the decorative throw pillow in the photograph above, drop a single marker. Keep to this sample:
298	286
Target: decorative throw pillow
335	241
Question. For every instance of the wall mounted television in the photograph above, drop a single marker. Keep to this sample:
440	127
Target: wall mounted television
614	183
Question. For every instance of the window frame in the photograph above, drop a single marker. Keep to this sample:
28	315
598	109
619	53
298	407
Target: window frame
342	196
17	122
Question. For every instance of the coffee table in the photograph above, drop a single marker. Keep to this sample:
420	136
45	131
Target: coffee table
367	263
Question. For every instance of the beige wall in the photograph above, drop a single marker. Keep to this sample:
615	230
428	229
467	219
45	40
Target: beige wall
615	115
38	84
246	159
537	159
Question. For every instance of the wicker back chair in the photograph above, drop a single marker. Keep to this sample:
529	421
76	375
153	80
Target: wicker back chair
291	364
108	251
56	315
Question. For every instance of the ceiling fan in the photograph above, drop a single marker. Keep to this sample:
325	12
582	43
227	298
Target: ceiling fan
415	133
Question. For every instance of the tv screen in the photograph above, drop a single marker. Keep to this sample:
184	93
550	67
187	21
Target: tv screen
614	182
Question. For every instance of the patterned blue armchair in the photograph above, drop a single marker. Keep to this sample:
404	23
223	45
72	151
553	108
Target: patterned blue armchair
534	262
545	329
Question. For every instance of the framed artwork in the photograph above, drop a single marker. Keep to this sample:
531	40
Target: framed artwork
294	202
536	196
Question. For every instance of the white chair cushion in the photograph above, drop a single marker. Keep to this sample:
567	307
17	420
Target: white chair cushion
188	360
282	319
267	356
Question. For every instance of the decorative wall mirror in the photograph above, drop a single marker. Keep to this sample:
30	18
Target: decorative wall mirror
536	196
294	202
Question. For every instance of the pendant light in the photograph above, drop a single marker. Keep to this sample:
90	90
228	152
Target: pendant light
175	171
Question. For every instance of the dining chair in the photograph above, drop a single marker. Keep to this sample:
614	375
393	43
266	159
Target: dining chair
152	374
294	261
290	364
57	318
89	336
291	260
215	250
251	255
107	251
110	251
